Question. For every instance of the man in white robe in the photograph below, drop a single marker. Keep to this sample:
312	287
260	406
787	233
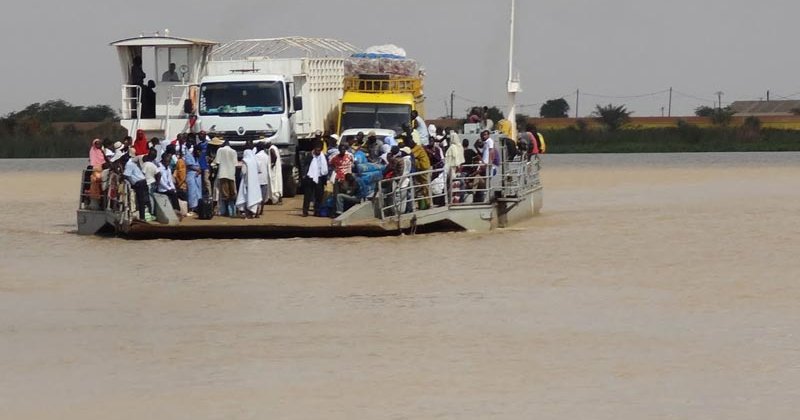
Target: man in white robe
275	174
262	157
249	198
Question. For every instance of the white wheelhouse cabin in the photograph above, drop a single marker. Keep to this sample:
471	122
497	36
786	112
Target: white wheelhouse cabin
167	114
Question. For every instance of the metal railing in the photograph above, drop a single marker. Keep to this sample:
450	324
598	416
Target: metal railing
355	84
131	102
520	176
472	184
407	194
116	200
174	100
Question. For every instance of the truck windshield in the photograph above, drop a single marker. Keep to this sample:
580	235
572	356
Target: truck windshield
391	116
241	98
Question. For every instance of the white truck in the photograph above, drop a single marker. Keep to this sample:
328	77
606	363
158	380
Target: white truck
280	89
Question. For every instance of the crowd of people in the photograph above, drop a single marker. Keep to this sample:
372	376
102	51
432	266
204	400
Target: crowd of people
421	161
192	172
197	173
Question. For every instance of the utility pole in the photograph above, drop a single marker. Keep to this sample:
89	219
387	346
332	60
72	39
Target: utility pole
767	95
452	100
577	102
719	99
669	110
662	111
513	83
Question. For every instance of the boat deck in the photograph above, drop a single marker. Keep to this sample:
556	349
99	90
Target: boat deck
277	221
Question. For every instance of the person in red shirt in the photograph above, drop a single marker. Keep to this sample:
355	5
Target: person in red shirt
342	165
140	144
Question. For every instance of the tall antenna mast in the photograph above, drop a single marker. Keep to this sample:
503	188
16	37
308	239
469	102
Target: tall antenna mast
513	83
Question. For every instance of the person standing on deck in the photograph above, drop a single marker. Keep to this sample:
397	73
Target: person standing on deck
262	158
170	75
314	180
150	171
226	160
166	183
420	127
136	178
205	168
179	175
194	185
454	157
249	198
341	164
97	156
140	145
423	163
275	174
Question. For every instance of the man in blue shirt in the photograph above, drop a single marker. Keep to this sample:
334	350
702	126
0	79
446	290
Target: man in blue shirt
136	178
205	168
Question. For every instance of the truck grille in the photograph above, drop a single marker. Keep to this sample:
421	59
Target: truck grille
248	135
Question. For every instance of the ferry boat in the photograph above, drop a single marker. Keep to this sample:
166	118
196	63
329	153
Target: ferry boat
480	198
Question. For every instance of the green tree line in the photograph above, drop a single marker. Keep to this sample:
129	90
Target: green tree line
49	130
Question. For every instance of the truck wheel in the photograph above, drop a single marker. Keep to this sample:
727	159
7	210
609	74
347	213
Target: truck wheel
289	181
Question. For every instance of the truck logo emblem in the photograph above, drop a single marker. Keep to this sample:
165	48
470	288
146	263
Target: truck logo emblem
241	131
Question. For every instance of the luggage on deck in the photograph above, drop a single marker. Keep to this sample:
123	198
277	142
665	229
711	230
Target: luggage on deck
165	214
205	210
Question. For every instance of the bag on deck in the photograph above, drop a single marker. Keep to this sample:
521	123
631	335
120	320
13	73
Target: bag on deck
205	211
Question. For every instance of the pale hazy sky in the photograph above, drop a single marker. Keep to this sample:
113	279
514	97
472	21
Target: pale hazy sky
604	47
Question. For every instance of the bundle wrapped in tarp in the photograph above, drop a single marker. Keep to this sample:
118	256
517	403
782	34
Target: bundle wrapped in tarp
364	168
381	60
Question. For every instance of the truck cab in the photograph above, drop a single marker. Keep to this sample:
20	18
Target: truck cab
249	107
379	102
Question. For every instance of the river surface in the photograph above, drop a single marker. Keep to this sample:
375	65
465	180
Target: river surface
651	287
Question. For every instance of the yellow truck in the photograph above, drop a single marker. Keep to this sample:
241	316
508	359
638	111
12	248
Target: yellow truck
379	94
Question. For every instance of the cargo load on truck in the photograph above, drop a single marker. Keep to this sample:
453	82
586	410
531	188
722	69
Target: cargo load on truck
381	88
388	60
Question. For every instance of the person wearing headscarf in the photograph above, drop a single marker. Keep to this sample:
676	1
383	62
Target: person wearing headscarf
420	127
97	156
140	145
454	157
249	197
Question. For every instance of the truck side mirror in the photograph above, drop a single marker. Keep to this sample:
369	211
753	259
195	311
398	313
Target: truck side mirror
298	103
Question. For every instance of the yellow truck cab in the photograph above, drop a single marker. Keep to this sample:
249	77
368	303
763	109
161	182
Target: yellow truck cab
380	96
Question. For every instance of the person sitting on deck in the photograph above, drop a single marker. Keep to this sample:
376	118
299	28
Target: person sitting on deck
170	75
349	194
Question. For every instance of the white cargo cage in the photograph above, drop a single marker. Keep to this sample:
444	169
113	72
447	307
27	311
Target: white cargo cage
315	65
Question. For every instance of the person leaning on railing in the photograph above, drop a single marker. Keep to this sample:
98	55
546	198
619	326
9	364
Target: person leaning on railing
422	181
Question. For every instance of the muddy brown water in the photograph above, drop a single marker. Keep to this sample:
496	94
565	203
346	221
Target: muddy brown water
652	286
